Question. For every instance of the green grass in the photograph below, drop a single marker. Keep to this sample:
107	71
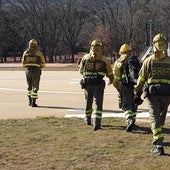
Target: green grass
49	143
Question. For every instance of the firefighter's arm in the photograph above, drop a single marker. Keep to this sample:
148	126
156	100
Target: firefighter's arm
141	79
42	60
81	65
23	58
109	72
117	75
138	89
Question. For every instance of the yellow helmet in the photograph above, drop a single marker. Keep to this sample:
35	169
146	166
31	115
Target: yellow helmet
33	42
159	37
125	48
96	42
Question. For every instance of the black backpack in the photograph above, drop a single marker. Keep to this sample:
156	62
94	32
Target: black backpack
133	69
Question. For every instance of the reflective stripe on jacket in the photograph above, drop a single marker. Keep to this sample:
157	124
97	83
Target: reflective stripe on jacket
155	71
33	59
92	67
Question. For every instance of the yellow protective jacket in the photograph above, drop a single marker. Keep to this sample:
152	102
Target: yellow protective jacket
118	76
154	71
33	59
90	66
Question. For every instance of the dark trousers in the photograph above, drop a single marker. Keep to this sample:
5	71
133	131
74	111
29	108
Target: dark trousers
33	79
94	93
127	100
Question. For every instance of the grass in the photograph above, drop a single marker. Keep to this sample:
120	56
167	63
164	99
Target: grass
49	143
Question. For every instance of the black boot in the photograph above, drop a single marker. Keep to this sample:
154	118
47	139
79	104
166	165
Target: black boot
158	150
29	101
131	124
88	120
34	103
97	124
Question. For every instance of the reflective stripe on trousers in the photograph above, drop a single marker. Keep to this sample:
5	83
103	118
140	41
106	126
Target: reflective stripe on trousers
94	93
157	111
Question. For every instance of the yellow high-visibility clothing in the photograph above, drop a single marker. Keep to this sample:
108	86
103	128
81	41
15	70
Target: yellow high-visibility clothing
154	71
35	59
98	66
118	76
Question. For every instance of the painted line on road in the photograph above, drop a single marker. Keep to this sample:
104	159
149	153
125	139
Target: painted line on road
52	92
104	114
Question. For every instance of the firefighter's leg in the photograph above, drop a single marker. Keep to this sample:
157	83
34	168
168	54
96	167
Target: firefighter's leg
29	83
34	104
154	111
129	115
89	101
164	108
35	84
98	97
29	98
128	106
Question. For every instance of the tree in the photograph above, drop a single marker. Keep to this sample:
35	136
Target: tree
72	18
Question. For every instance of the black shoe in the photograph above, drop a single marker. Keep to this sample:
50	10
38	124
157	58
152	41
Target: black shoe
97	124
96	128
131	124
157	151
29	101
88	120
34	105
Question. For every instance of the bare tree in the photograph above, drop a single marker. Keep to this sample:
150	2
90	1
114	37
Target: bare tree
72	19
66	26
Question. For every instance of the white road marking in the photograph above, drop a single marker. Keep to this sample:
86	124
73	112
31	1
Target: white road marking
51	92
104	114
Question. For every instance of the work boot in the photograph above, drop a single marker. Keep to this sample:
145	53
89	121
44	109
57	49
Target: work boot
88	120
29	101
97	124
33	104
131	124
158	150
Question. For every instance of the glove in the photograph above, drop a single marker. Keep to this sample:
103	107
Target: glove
137	99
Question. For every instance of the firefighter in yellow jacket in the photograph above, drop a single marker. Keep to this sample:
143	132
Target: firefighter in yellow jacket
33	60
154	76
125	86
94	66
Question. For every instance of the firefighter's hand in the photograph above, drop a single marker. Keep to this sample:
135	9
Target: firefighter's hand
137	99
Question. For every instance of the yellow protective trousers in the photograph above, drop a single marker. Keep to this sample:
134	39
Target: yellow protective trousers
158	106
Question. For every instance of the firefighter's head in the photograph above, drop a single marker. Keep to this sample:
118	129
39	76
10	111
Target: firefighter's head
160	46
96	48
125	49
33	44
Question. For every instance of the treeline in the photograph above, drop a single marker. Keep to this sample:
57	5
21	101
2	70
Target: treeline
66	27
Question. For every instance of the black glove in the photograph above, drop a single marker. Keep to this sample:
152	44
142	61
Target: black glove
137	99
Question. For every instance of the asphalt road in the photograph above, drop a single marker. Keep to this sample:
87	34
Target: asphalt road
60	95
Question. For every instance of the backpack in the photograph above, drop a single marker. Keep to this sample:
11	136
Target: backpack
130	70
133	69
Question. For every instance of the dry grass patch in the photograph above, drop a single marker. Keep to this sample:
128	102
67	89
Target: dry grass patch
59	143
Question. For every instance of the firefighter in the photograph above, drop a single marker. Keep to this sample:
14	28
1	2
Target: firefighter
94	66
33	60
125	86
154	76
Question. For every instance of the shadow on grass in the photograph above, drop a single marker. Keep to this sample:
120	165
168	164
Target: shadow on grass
136	129
111	127
166	131
167	144
141	130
